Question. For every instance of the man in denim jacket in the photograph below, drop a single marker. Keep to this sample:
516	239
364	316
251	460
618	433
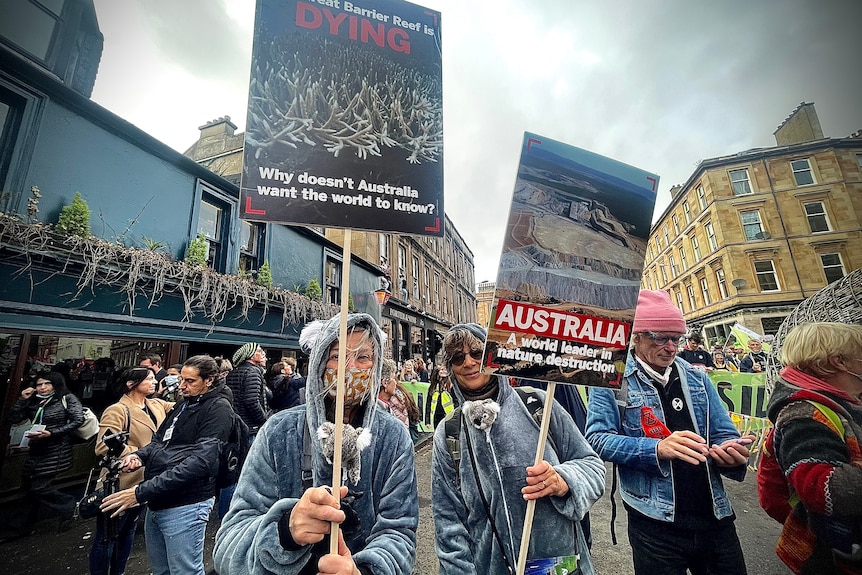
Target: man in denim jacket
673	440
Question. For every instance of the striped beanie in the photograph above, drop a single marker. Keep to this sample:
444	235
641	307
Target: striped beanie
244	353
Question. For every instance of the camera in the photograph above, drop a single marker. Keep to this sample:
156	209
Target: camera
115	442
171	383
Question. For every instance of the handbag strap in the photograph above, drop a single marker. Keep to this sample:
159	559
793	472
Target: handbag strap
485	502
129	417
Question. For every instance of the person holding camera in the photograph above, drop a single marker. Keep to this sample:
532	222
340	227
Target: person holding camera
182	462
140	416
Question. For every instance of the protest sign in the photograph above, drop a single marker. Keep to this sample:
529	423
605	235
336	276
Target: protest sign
571	266
345	117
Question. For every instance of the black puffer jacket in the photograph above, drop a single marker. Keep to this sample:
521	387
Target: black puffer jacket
52	455
183	470
249	394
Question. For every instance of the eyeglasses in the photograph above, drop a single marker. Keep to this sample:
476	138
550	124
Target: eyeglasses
661	339
458	358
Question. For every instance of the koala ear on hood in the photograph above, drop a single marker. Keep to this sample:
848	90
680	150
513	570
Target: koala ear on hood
309	334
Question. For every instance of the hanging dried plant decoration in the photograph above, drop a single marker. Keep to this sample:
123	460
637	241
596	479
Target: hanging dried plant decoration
143	273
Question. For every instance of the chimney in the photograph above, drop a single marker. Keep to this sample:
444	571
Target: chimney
218	127
675	190
802	125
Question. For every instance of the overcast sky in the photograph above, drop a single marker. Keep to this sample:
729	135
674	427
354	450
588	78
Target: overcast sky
660	85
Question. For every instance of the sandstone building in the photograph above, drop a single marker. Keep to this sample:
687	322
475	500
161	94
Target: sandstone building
750	235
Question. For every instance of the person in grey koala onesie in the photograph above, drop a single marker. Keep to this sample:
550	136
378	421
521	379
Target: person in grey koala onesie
565	485
275	524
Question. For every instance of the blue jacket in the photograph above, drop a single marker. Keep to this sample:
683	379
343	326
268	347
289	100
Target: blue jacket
465	542
646	481
271	484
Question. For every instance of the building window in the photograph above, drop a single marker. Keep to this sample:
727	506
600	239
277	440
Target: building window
710	236
690	289
249	247
816	214
649	251
33	26
385	246
666	237
704	288
679	300
663	272
752	225
332	277
859	161
674	271
11	112
833	267
427	284
402	259
701	198
695	247
211	226
437	293
648	282
655	278
686	211
682	258
739	181
767	279
722	283
802	172
416	295
675	224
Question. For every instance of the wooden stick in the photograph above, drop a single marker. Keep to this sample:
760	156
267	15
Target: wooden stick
339	398
540	453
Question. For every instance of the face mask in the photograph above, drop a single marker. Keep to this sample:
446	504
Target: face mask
44	395
357	384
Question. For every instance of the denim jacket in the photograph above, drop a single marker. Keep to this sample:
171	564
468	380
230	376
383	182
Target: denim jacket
647	481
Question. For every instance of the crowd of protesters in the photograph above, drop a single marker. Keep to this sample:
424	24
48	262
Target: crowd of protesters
665	430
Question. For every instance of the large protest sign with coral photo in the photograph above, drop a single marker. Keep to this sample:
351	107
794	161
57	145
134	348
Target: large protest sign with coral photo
571	266
345	125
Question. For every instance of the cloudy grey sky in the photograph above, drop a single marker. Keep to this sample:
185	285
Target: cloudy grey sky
660	85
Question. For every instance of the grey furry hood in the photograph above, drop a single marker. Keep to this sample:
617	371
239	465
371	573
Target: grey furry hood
315	339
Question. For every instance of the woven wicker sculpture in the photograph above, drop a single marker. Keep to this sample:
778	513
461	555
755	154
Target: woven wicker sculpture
840	301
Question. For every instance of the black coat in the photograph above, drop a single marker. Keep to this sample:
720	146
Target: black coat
249	394
53	455
183	470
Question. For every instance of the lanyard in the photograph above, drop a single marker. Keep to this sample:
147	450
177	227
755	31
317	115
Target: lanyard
170	432
40	413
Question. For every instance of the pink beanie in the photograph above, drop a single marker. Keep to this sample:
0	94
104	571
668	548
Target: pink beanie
656	313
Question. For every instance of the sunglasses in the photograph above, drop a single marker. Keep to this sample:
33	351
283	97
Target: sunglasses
659	339
458	358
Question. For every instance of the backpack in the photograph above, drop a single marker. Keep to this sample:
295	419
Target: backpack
234	452
773	491
90	428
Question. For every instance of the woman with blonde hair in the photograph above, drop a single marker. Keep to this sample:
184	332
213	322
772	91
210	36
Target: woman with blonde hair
816	407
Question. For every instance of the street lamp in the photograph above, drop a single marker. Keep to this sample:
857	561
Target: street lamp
382	296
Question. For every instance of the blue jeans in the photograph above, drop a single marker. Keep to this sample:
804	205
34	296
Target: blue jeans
110	557
175	538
